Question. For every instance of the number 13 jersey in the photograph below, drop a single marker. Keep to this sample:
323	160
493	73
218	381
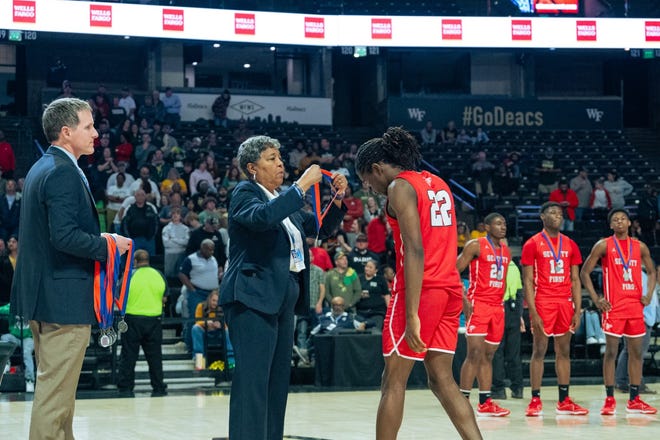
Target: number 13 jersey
437	222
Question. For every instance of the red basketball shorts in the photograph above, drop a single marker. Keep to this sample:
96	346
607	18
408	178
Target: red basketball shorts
486	320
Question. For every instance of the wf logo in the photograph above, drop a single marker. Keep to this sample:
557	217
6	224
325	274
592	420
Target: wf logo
417	114
595	114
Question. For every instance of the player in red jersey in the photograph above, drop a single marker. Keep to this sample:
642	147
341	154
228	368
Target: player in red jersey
422	317
621	258
553	293
489	259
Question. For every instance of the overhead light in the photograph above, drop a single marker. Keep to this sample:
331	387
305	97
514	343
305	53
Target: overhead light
127	37
194	63
216	45
273	48
246	66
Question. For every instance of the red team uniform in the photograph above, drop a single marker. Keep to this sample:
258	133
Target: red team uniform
552	259
622	286
487	282
440	301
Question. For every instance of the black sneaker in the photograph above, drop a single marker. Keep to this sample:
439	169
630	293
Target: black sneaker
126	393
517	394
498	394
158	393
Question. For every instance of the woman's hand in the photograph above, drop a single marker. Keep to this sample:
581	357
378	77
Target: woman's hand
340	183
311	176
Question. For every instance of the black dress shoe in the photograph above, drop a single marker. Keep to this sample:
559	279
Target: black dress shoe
517	394
125	393
158	393
499	394
623	388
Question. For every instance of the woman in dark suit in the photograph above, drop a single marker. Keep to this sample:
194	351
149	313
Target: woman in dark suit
267	280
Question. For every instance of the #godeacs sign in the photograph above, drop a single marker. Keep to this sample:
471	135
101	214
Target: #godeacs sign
100	15
173	20
24	11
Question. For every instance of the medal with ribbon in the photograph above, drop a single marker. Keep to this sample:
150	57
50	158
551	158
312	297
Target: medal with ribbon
316	199
499	260
106	293
558	267
627	272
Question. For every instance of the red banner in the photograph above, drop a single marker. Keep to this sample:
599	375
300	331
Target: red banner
100	15
452	29
173	20
586	30
25	11
381	28
245	24
521	30
314	27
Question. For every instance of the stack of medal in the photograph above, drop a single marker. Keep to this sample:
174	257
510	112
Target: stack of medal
316	200
105	279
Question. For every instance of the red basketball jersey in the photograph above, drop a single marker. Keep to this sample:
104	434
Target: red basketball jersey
437	221
488	273
623	287
552	274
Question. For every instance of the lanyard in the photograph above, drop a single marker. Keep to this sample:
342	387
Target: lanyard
105	281
499	260
316	200
556	253
626	263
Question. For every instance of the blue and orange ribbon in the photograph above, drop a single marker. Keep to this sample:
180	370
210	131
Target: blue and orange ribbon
320	214
106	276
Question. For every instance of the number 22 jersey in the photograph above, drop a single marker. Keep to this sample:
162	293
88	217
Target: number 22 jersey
437	221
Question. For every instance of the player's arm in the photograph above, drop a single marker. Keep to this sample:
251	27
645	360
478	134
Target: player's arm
650	272
470	252
528	287
597	252
403	204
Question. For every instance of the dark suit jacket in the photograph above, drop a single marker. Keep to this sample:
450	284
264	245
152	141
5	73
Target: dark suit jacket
59	239
260	251
9	217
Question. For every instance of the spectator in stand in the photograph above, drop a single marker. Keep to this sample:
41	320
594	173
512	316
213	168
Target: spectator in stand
336	319
145	127
463	235
175	239
115	196
209	210
7	159
509	174
360	255
210	230
21	335
8	255
128	103
342	281
568	200
374	298
311	158
321	257
232	178
482	171
389	274
242	132
209	326
429	134
548	172
479	231
148	110
147	185
463	138
600	202
175	201
144	151
160	106
172	105
647	214
219	109
583	189
222	199
449	133
141	223
371	210
377	231
105	167
144	308
355	210
481	137
10	211
296	155
200	174
172	178
158	168
67	90
123	151
122	167
117	114
327	155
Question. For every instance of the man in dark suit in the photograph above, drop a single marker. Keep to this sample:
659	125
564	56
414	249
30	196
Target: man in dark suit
53	282
267	278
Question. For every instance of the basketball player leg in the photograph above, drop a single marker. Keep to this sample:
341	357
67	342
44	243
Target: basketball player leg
539	348
392	396
473	361
562	346
485	374
609	359
635	359
441	382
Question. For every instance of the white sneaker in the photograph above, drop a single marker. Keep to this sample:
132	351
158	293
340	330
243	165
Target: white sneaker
591	340
29	386
602	341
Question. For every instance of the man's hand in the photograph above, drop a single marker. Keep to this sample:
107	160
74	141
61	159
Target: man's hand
604	305
412	335
536	323
123	243
575	322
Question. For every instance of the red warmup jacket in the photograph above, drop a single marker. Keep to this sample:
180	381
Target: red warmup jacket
569	196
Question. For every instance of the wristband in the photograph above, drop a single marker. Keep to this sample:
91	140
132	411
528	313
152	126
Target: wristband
300	191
